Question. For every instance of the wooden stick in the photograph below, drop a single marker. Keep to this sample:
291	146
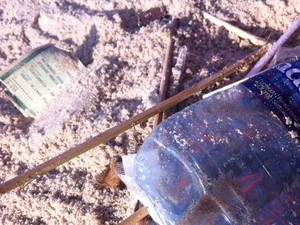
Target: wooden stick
135	217
239	32
275	47
167	70
177	76
115	131
163	90
140	221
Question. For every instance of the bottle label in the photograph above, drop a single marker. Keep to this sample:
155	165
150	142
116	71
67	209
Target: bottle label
279	89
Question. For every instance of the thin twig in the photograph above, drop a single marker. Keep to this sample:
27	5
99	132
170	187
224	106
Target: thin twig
163	90
141	220
275	47
177	78
135	217
115	131
167	70
239	32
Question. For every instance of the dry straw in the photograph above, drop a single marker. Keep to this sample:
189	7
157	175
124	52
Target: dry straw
122	127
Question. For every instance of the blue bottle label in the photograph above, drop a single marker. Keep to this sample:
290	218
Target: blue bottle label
279	89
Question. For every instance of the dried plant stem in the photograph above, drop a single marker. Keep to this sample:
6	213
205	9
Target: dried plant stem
140	220
239	32
163	90
275	47
135	217
167	70
115	131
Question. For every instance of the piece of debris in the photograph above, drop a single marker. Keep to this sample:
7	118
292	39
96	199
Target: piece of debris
239	32
135	217
146	17
109	178
38	77
167	69
275	47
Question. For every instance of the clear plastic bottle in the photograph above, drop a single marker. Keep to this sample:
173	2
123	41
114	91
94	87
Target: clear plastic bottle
232	158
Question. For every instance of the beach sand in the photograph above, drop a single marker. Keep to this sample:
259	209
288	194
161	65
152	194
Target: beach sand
122	44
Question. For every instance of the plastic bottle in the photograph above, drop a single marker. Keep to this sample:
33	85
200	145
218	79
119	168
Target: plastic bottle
232	158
